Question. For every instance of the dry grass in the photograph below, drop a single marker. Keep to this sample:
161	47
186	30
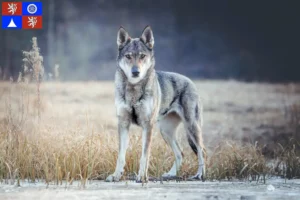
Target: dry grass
236	160
76	137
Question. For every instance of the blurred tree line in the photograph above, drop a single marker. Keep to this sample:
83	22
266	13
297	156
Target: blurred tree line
253	40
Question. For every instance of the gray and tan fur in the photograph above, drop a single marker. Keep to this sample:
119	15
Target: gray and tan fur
145	97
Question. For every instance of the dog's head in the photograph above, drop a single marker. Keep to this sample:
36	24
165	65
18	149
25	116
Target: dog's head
135	54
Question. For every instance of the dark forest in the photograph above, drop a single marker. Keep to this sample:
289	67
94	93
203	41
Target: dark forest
244	40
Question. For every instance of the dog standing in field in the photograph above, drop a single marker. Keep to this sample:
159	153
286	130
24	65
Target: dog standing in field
145	97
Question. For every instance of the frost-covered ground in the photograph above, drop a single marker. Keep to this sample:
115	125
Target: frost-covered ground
274	189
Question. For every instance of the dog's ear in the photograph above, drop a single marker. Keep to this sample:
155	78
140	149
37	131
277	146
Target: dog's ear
122	38
147	37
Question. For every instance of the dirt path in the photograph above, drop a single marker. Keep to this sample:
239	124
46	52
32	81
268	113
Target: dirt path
274	189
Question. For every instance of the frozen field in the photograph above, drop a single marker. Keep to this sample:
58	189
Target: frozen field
274	189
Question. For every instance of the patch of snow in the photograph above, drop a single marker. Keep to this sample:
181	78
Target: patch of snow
270	188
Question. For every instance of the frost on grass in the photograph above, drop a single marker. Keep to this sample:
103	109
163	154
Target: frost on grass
34	62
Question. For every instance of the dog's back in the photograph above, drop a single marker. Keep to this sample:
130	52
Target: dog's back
176	89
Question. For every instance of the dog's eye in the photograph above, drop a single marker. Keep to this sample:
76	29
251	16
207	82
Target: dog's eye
143	56
128	56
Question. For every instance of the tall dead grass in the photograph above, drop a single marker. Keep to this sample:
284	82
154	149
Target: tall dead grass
235	160
54	154
288	161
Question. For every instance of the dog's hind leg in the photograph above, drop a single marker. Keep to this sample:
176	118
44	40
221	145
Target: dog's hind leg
168	126
195	140
194	133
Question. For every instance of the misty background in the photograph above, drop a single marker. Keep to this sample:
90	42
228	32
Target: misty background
244	40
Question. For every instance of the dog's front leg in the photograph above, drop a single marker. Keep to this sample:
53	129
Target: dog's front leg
146	140
123	127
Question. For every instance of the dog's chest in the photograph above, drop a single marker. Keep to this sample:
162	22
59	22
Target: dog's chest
133	97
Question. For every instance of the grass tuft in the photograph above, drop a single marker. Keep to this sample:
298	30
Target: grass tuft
235	160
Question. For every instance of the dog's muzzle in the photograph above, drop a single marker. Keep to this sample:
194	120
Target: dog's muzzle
135	71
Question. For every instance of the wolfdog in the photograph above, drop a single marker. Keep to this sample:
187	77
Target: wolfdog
145	97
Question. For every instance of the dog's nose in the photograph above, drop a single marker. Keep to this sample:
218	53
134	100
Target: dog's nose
135	71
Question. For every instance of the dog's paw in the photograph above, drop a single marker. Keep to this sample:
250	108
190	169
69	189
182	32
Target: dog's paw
166	175
138	179
141	179
112	178
197	177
